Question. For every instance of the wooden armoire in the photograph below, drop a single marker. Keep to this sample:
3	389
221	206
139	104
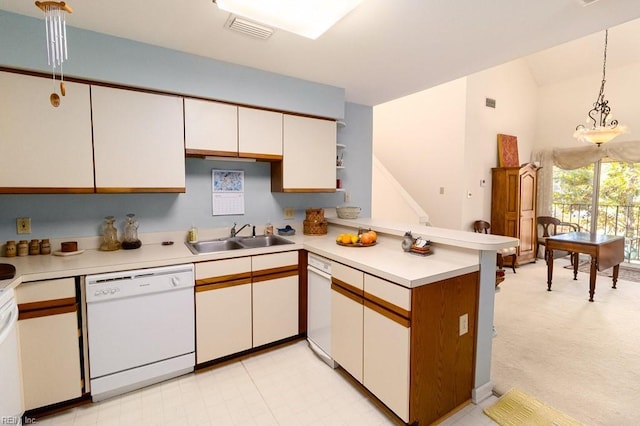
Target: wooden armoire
513	207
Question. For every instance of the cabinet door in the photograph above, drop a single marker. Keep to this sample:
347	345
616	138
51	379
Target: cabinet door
387	340
275	309
223	320
210	128
259	134
50	357
138	141
309	155
44	149
346	331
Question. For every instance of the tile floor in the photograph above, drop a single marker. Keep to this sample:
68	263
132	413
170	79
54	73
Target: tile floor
285	386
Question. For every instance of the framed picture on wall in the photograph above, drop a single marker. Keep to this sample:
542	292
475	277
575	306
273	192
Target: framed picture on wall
507	151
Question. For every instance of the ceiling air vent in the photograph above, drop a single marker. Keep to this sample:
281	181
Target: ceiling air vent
249	28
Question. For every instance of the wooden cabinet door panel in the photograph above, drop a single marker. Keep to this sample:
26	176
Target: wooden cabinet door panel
138	141
347	333
50	357
211	127
259	133
223	321
275	309
45	148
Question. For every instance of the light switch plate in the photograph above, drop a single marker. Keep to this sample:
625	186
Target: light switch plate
289	213
464	324
23	225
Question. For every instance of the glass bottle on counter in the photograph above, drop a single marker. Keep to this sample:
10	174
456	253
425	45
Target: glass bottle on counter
130	240
109	235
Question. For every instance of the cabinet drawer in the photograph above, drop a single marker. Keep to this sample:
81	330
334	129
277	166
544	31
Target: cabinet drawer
224	269
274	260
348	275
389	292
40	291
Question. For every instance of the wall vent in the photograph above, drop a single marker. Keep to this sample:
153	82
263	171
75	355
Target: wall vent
249	28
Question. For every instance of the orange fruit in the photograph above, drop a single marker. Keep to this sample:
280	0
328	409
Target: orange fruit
346	239
366	238
374	235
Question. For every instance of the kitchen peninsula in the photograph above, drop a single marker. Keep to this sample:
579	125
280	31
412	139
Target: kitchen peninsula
462	258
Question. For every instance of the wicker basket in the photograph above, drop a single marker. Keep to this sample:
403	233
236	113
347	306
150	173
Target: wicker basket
314	223
348	212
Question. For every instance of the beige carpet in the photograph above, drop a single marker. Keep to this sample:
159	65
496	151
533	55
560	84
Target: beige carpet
579	357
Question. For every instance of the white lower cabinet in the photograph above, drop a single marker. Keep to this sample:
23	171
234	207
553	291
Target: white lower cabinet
245	302
386	359
275	309
49	344
346	332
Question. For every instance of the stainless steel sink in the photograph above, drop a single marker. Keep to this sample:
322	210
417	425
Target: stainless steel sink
236	243
263	241
211	246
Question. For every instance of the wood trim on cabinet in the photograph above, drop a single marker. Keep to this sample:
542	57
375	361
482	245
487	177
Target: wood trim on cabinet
201	153
403	321
388	306
340	290
293	190
223	278
46	304
260	157
222	284
278	270
110	190
348	287
45	190
275	276
37	313
303	291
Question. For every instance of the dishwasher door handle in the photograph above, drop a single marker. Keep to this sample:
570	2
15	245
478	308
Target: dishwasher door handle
319	272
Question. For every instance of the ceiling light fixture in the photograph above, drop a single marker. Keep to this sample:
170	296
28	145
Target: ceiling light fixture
56	38
604	127
308	18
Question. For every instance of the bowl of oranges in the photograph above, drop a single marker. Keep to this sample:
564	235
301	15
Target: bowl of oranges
361	239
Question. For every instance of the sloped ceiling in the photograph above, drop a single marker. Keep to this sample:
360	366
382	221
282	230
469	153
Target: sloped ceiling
383	49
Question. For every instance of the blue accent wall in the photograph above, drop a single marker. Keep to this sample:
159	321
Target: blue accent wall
99	57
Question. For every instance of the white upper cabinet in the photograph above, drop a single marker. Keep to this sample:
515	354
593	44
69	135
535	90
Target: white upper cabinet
309	156
259	134
210	128
138	141
44	149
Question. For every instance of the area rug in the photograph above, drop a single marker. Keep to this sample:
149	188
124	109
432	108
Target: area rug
517	408
627	273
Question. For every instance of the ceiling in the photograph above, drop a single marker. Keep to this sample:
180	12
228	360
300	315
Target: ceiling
384	49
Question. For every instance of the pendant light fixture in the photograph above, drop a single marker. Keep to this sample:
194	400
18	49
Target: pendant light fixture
603	126
56	40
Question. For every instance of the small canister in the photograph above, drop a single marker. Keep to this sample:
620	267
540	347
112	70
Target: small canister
10	249
34	247
45	246
23	248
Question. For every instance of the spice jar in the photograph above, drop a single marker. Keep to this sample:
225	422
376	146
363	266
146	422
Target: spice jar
23	248
10	248
34	247
45	246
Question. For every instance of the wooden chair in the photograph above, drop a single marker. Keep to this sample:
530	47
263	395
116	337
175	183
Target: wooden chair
482	226
553	226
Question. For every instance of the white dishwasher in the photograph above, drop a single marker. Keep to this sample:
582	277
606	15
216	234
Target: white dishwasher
141	328
319	307
11	406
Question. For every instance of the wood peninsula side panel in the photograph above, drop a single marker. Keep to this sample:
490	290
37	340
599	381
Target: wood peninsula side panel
442	361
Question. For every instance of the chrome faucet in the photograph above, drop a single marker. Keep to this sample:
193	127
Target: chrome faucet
233	229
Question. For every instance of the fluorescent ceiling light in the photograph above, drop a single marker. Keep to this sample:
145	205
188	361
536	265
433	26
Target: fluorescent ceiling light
308	18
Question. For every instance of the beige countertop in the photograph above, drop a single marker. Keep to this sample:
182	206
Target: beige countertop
455	253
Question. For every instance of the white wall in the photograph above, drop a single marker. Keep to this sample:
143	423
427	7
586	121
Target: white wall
564	105
446	137
420	140
515	92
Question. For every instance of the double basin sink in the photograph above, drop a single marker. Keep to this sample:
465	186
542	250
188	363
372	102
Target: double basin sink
236	243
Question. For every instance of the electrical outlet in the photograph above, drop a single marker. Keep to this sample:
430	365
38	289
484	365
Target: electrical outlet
23	225
441	190
289	213
347	197
464	324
